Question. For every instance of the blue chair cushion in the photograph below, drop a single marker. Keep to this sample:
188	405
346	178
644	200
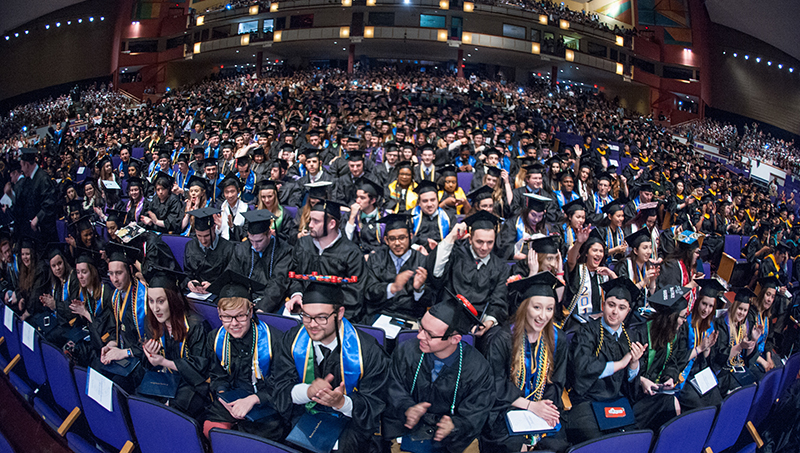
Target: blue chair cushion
47	413
78	444
22	387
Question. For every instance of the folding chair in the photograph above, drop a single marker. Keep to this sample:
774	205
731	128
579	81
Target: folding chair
730	419
229	441
17	377
766	393
685	433
149	418
62	389
790	371
109	427
629	442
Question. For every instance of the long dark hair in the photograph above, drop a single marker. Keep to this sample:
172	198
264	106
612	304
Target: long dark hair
178	308
663	329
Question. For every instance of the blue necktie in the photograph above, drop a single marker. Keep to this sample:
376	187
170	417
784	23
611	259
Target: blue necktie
437	368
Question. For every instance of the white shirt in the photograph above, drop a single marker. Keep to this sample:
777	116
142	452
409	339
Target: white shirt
300	391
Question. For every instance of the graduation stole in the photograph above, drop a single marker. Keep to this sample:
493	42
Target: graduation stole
351	361
771	257
410	198
686	277
562	200
599	203
762	320
680	197
637	276
261	349
533	386
422	172
569	235
181	180
735	339
636	202
602	150
610	237
135	299
583	297
520	227
750	216
602	334
163	340
442	220
694	340
633	168
64	290
651	352
98	304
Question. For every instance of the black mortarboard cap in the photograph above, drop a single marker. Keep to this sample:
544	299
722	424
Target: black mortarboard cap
162	277
481	193
122	253
574	206
56	248
87	256
494	171
229	180
482	220
82	224
369	186
319	292
204	218
743	294
710	287
544	244
319	189
457	315
199	181
137	182
542	284
259	221
426	186
448	170
635	239
28	154
396	221
165	179
769	281
614	206
621	288
355	156
232	284
210	162
332	208
537	203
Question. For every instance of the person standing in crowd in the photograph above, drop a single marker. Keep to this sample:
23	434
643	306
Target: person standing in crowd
35	207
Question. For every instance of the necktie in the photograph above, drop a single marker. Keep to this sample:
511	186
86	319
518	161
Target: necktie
398	263
427	174
325	352
616	336
437	368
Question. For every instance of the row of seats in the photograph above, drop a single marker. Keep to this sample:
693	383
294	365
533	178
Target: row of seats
57	393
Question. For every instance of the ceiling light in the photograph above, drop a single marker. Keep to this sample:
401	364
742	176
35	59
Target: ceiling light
758	60
780	66
735	55
769	63
747	57
91	19
58	24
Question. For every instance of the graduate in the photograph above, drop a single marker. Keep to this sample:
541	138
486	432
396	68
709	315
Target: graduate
233	209
471	269
207	254
93	306
327	365
612	230
761	315
268	197
604	361
530	220
241	354
440	389
264	258
326	251
680	267
735	348
431	223
129	308
176	343
61	290
398	274
696	338
637	266
165	211
363	225
586	274
530	366
451	197
576	218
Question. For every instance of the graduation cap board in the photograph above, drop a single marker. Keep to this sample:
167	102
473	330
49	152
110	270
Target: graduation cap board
121	253
669	299
536	202
481	193
162	277
542	284
204	218
543	244
634	240
622	288
396	222
87	256
232	284
259	221
482	220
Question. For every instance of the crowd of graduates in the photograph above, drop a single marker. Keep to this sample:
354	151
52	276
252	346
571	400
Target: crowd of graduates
342	201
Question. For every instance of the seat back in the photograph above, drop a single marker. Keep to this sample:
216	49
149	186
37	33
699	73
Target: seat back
731	418
378	333
733	245
686	433
228	441
149	418
34	365
62	381
12	337
291	210
109	427
209	313
464	180
61	230
630	442
766	393
790	371
282	323
137	152
177	244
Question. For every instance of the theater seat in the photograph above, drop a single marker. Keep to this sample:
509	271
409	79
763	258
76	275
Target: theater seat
282	323
177	244
149	418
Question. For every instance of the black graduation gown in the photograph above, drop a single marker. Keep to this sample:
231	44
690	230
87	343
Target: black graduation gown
238	376
208	265
155	252
583	377
170	211
286	227
688	396
382	273
485	288
495	435
192	366
36	197
429	229
572	288
271	269
368	399
751	248
102	319
474	399
653	411
367	234
343	259
720	353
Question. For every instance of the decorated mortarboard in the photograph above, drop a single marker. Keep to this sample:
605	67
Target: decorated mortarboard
542	284
230	179
540	243
669	299
482	220
634	240
621	288
324	291
87	256
457	312
319	189
688	241
448	170
332	208
162	277
574	206
121	253
536	202
614	206
204	218
232	284
481	193
648	209
396	222
369	186
259	221
426	186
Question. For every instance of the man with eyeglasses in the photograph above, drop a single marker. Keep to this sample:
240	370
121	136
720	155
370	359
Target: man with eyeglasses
241	357
326	365
440	390
326	251
396	286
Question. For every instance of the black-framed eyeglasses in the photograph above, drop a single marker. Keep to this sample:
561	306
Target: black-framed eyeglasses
239	318
428	333
321	320
396	238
